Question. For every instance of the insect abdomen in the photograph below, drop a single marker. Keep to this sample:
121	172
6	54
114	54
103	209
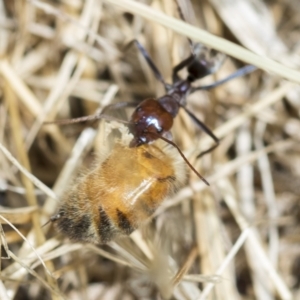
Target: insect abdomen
115	198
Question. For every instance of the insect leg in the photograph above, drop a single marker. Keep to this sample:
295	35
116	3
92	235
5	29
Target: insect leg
150	62
98	115
180	66
181	15
85	119
119	105
206	130
239	73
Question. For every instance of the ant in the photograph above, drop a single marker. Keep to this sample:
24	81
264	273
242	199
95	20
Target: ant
152	118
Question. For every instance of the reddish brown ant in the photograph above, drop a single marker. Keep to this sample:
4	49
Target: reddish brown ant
152	119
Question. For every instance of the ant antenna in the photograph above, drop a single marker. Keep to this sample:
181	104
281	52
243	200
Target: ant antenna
181	15
183	156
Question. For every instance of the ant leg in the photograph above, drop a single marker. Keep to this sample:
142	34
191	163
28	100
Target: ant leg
239	73
85	119
206	130
97	116
180	66
150	62
118	105
182	17
197	65
212	148
115	106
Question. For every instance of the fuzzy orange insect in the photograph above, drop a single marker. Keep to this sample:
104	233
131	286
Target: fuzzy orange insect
120	193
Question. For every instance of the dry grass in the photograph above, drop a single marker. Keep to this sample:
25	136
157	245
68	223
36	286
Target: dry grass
237	239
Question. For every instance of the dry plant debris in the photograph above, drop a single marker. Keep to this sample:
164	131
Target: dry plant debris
238	238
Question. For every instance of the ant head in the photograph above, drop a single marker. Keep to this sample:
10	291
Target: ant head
149	121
